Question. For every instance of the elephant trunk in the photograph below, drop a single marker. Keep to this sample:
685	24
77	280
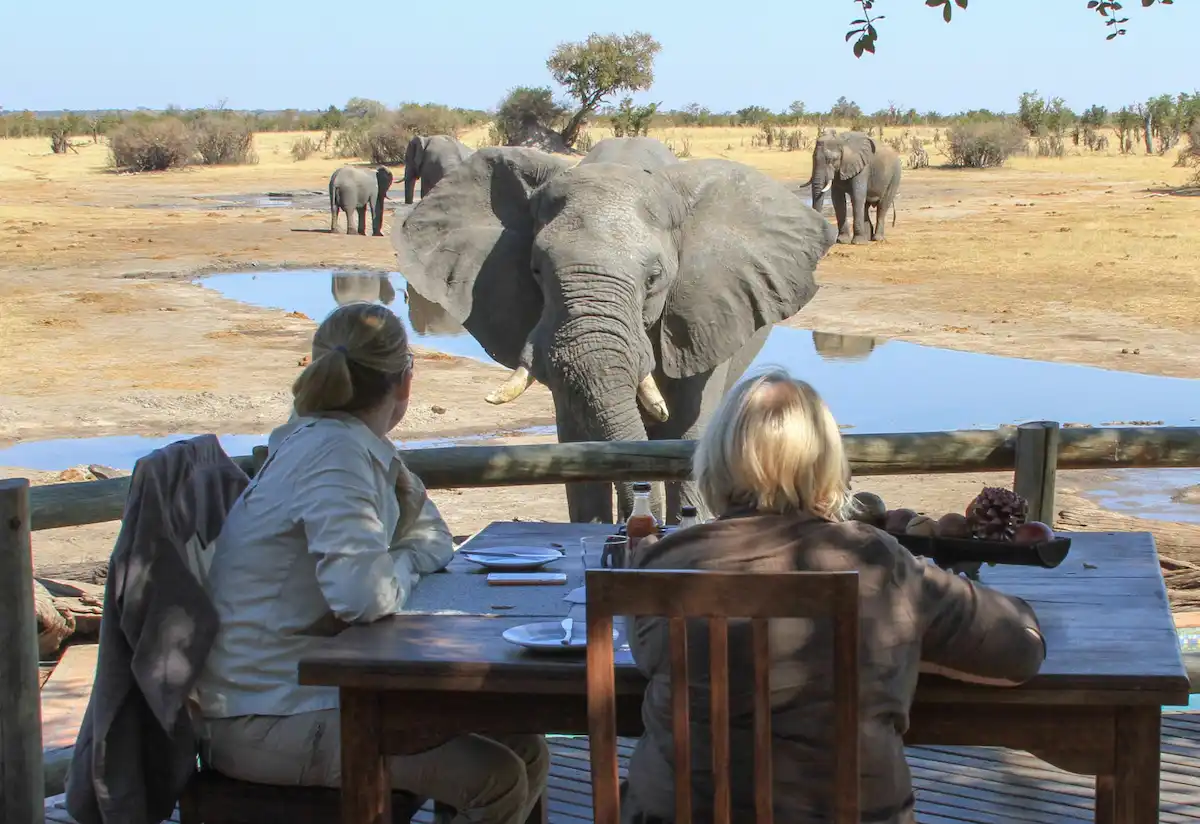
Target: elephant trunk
821	183
377	216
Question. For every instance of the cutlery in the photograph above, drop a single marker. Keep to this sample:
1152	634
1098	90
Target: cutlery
567	625
491	553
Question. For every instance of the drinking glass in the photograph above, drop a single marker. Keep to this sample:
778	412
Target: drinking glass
604	551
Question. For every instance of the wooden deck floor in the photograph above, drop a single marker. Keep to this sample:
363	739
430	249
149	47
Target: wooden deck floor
955	785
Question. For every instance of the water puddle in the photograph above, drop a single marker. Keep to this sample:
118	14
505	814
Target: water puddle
123	451
1156	494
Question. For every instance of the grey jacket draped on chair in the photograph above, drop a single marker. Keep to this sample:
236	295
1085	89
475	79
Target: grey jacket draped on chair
136	746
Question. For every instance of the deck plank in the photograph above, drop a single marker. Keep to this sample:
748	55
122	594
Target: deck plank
954	785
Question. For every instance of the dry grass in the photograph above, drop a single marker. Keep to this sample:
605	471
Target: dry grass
1082	231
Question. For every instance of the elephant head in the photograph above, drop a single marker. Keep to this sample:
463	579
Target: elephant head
838	157
602	279
414	155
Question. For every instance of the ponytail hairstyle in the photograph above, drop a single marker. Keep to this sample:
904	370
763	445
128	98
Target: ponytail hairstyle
359	353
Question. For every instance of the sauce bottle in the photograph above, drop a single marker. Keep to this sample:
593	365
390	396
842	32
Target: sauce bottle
641	521
687	517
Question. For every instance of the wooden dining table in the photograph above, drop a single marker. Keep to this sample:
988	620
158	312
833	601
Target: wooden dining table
442	669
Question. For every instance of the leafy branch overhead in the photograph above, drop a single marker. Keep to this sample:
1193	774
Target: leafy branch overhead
863	28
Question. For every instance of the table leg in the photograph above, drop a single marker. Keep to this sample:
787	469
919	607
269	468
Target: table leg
1136	783
540	814
1105	808
366	785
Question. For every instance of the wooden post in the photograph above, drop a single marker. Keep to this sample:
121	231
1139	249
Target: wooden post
21	782
1036	467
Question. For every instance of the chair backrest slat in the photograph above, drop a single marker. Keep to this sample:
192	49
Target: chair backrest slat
680	720
718	678
764	772
718	597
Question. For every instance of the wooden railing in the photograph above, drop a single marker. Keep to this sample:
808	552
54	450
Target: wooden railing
1033	451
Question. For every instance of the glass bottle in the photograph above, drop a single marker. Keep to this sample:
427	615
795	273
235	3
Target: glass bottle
641	521
687	517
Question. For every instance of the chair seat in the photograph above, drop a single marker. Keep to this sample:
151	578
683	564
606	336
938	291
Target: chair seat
213	798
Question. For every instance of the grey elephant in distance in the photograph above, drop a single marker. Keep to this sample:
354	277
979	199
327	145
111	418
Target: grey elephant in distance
638	292
354	191
428	318
430	159
352	287
853	164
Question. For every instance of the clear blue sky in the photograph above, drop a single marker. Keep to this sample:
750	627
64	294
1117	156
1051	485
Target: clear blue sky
84	54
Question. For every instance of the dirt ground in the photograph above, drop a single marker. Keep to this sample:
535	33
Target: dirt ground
1087	259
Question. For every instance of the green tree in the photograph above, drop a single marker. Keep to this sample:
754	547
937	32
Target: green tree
630	120
598	67
863	27
361	108
1031	112
525	105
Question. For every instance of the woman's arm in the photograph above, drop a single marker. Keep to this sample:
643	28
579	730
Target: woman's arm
977	634
427	540
336	500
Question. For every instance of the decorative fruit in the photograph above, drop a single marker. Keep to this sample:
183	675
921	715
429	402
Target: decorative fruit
922	525
996	513
897	519
1033	532
869	508
953	525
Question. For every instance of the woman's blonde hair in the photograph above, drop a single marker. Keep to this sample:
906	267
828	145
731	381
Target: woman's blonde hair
359	352
773	445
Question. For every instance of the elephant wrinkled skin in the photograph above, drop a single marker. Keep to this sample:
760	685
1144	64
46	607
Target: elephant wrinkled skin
353	191
430	159
637	291
852	163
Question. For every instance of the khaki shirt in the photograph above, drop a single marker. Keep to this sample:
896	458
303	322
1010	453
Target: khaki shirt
333	530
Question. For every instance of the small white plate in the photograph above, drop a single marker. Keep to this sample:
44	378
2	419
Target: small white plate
547	636
512	558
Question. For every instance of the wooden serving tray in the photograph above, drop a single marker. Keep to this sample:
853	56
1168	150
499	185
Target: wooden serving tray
947	552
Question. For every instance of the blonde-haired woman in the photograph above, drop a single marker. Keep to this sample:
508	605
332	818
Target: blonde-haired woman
772	467
334	530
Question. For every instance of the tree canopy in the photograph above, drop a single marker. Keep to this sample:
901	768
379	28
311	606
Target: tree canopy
599	66
864	26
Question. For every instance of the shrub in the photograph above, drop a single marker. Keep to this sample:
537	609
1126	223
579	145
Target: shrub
523	106
981	145
151	146
304	148
224	139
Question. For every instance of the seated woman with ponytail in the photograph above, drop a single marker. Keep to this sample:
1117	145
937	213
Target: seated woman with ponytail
335	530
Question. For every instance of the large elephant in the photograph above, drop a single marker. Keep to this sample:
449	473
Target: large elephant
645	153
636	296
852	163
353	191
351	287
431	159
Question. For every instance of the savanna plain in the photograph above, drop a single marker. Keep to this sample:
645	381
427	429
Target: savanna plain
1090	258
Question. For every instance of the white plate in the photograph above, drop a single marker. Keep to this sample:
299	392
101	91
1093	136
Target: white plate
547	635
512	558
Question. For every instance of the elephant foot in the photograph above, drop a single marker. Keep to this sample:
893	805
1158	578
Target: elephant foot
844	239
860	239
376	234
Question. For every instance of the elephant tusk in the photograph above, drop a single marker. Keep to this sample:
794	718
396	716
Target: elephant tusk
652	399
828	186
513	388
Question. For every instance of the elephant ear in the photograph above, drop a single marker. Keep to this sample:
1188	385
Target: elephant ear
857	151
748	250
466	246
414	151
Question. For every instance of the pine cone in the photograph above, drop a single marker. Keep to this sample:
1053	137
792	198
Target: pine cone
996	513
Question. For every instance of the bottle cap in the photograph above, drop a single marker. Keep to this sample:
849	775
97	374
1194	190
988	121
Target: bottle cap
641	486
687	511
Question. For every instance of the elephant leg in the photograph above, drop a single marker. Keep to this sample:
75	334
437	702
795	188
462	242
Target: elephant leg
362	220
350	212
838	195
886	204
333	213
858	199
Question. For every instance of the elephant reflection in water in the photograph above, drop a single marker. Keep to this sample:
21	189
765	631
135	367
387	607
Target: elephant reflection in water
428	318
349	288
842	347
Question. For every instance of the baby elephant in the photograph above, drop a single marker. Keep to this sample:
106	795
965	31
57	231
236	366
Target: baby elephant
353	190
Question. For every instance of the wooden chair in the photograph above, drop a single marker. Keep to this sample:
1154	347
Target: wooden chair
212	798
719	596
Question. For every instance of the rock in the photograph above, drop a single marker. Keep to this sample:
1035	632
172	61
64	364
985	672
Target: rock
106	473
54	625
437	410
536	136
1187	495
74	475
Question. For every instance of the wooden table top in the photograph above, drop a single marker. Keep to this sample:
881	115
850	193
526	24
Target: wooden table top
1104	613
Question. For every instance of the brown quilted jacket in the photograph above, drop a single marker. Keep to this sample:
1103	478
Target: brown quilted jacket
911	613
